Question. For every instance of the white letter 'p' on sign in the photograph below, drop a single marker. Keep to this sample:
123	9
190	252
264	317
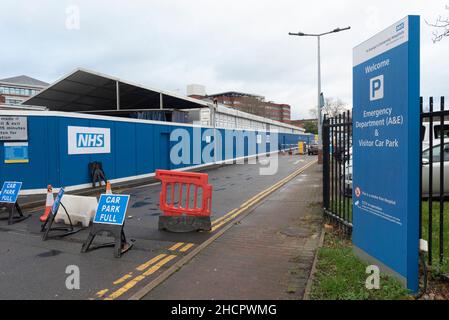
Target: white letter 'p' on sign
376	90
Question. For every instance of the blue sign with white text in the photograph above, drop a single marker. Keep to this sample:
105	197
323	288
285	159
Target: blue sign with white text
90	140
111	209
10	191
55	207
386	138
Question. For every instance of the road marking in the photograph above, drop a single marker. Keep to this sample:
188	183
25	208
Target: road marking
176	246
186	247
234	213
260	196
122	279
158	265
102	293
163	258
181	262
297	161
223	217
130	284
150	262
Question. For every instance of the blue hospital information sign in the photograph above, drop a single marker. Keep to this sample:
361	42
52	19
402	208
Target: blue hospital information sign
111	209
386	138
10	191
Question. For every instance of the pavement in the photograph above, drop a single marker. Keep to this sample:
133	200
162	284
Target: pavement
267	255
34	269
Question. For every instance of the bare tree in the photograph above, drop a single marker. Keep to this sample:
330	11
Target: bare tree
334	106
313	113
441	26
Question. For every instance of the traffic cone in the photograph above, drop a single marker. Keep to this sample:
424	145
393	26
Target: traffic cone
108	188
48	204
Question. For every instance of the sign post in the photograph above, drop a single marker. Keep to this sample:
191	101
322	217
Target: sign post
8	197
110	218
386	138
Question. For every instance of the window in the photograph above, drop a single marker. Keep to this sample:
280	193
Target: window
436	153
17	91
438	131
13	101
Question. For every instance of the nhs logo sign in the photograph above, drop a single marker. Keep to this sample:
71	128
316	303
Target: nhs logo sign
87	140
376	90
400	26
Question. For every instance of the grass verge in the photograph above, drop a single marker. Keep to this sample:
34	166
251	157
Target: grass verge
340	275
438	252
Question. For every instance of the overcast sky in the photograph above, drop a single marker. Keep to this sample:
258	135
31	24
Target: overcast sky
240	45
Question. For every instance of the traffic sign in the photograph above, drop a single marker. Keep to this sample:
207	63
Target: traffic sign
10	191
110	218
111	209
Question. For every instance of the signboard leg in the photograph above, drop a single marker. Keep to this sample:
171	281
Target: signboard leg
14	208
120	244
66	230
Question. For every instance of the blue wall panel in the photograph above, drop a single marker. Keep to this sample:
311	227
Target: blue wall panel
145	148
125	150
73	168
108	160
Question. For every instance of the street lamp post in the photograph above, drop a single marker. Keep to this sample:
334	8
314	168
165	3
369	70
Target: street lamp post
318	36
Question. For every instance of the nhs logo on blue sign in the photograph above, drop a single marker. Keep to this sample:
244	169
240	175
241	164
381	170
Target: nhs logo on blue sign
88	140
376	90
400	26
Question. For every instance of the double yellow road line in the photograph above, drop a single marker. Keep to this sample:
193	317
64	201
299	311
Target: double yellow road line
145	269
257	198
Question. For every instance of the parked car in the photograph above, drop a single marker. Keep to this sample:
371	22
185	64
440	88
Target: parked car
312	149
435	170
425	170
425	132
347	164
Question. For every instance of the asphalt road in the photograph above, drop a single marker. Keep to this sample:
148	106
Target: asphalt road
34	269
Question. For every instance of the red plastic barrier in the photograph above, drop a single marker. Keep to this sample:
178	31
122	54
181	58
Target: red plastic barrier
179	203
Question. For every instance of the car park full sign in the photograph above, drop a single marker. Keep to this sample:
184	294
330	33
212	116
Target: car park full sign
386	122
111	209
10	191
